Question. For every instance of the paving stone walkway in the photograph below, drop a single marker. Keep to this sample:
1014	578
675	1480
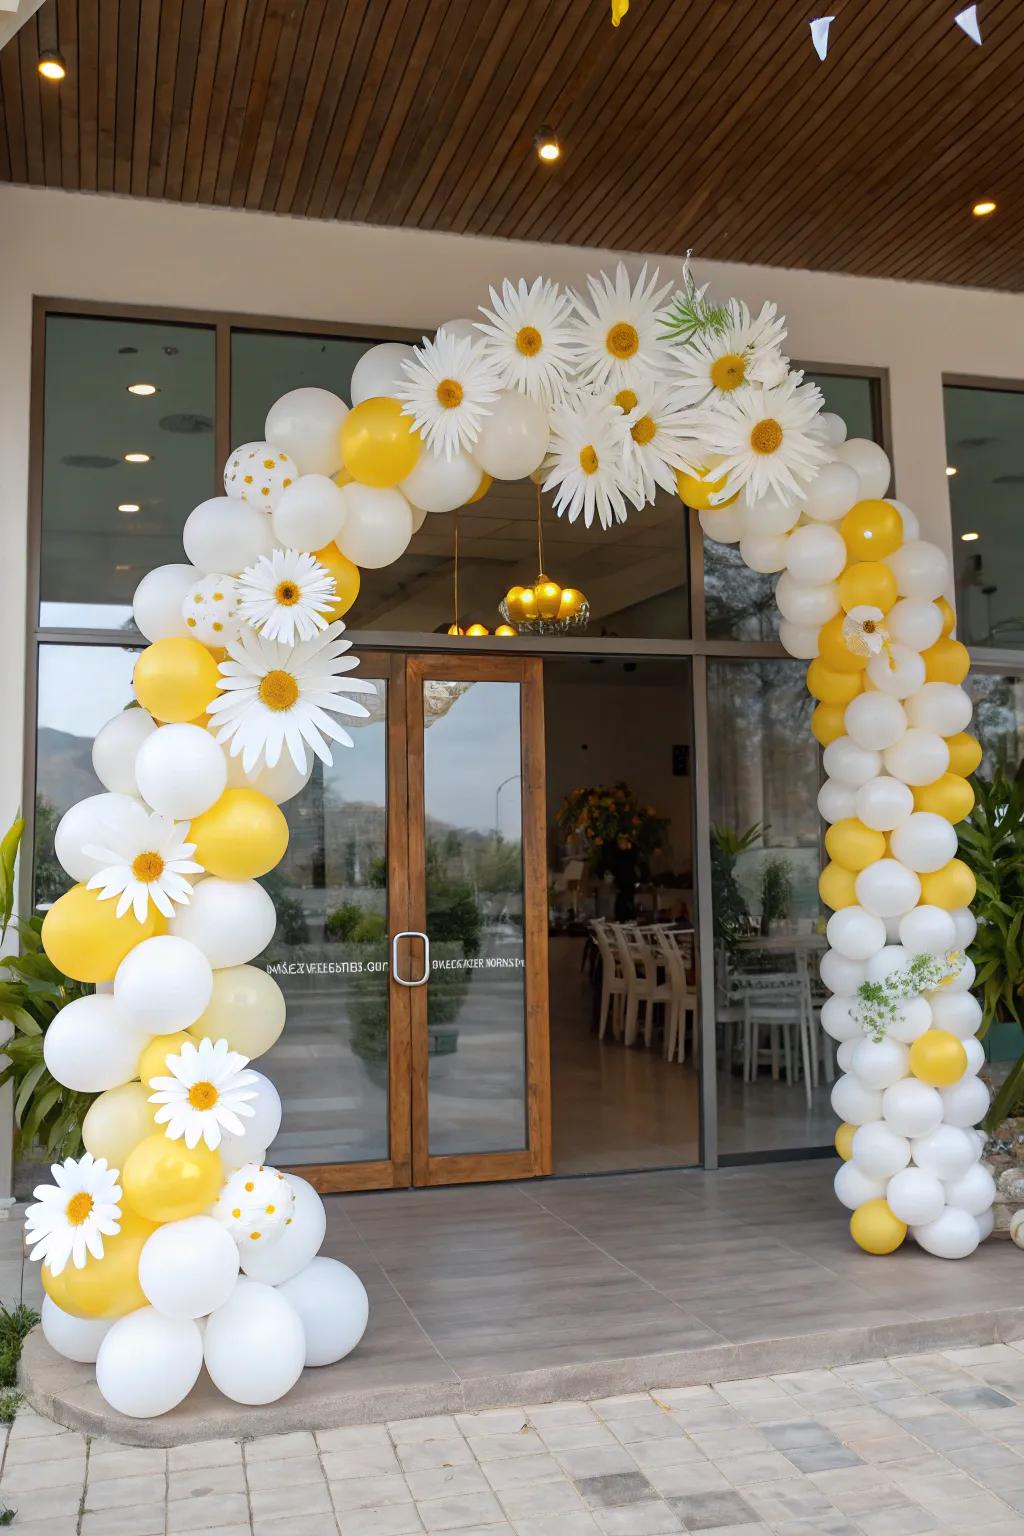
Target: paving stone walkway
923	1445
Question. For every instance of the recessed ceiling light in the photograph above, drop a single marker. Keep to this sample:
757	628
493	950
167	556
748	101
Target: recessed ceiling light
969	538
984	208
128	506
143	389
136	458
951	470
123	567
545	142
51	64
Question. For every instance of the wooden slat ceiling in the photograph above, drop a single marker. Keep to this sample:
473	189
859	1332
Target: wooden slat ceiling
703	123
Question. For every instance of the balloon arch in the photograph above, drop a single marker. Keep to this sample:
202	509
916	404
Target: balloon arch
172	1218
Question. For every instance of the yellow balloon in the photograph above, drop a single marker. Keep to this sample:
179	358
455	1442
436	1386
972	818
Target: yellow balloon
853	845
85	938
948	616
938	1057
242	836
175	679
486	481
868	584
163	1180
342	478
107	1287
505	629
844	1141
346	579
836	887
830	687
872	530
951	886
116	1121
548	595
947	661
833	650
696	491
572	602
874	1228
964	753
153	1061
827	723
246	1009
379	443
949	795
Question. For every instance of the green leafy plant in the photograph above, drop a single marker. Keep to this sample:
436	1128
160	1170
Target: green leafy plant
690	314
731	913
776	892
878	1002
15	1324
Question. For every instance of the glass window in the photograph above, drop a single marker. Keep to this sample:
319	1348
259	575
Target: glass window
107	520
998	720
267	364
739	604
984	432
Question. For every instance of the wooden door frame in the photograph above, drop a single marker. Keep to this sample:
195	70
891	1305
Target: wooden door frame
535	1158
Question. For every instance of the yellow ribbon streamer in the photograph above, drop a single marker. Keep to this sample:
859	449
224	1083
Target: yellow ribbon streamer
619	9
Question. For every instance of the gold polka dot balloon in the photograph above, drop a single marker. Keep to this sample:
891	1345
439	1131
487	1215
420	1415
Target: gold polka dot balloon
210	610
256	1204
259	473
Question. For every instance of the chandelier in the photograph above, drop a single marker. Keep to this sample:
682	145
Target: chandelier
472	631
543	608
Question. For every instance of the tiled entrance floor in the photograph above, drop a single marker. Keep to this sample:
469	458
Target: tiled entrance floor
486	1296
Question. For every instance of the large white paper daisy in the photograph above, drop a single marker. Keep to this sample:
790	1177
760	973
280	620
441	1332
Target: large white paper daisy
285	595
452	386
75	1213
659	437
765	439
277	695
586	464
206	1093
145	862
529	339
618	338
743	350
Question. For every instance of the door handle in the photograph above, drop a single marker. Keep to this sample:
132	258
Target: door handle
410	933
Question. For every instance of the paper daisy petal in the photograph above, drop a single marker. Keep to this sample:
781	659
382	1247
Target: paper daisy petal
451	387
765	438
618	335
659	438
530	338
742	350
143	864
74	1214
285	595
586	464
206	1093
819	34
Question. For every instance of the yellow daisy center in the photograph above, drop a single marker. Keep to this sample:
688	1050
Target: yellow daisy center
623	340
202	1096
766	436
449	394
728	372
589	460
278	690
286	593
528	340
79	1208
626	401
643	430
147	867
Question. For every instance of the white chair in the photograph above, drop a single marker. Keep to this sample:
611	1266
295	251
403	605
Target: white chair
643	984
613	979
777	1003
676	949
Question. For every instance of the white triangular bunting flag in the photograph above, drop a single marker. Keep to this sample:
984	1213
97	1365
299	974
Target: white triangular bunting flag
967	21
819	34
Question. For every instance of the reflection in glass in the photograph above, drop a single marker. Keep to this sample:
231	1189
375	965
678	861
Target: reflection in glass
107	522
474	900
998	720
984	431
267	364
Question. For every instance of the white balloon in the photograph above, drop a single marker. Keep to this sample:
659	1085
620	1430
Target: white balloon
260	1127
210	610
462	330
115	749
189	1268
163	985
853	1187
310	513
925	842
419	517
280	783
436	484
834	428
871	464
231	921
943	708
911	1108
959	1012
258	473
332	1303
225	536
927	931
921	570
91	821
878	1151
911	526
377	527
722	524
254	1345
851	764
912	1019
887	888
975	1055
883	803
915	623
513	438
841	975
90	1046
986	1223
76	1338
297	1244
880	1063
181	771
973	1191
963	980
953	1235
800	640
805	605
915	1197
919	757
836	801
875	721
158	599
899	671
148	1363
966	925
855	933
854	1102
946	1151
764	514
379	371
306	423
768	553
965	1103
816	554
886	962
844	1054
832	492
836	1018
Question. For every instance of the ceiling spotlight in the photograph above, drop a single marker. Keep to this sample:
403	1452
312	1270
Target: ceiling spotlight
136	458
545	142
969	538
951	470
143	389
128	506
51	64
984	208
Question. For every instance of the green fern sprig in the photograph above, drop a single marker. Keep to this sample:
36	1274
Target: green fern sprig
879	1001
